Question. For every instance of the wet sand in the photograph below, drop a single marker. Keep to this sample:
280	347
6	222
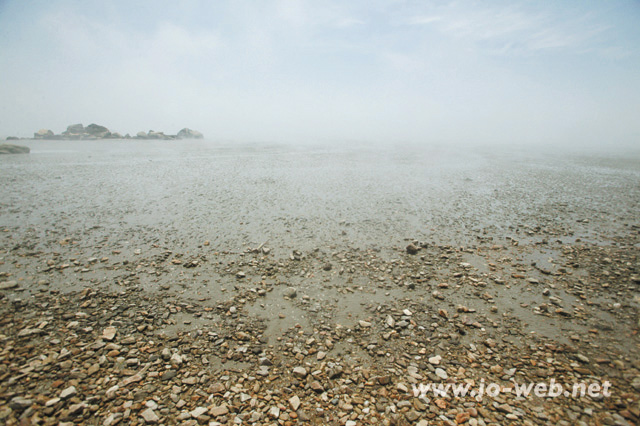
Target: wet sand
247	261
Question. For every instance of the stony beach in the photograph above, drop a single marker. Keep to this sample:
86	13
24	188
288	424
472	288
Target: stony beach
198	283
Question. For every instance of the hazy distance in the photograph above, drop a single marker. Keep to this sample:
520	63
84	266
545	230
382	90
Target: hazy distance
298	71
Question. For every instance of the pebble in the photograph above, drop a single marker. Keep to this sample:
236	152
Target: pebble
441	373
198	412
19	403
109	333
68	392
219	411
300	372
294	402
150	416
435	360
8	285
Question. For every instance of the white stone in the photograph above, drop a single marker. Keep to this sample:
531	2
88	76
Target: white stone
294	401
109	333
68	392
150	416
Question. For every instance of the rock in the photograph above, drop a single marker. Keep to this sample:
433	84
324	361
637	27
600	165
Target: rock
166	354
111	392
156	135
412	249
28	332
68	392
96	130
191	380
384	380
19	403
441	373
52	402
150	416
176	359
462	417
168	375
112	419
109	333
316	386
274	412
364	324
412	416
74	129
294	402
301	372
265	361
187	133
7	285
43	134
75	409
290	292
327	266
390	321
583	359
216	388
435	360
7	148
218	411
198	412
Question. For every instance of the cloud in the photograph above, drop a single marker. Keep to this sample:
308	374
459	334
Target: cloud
515	30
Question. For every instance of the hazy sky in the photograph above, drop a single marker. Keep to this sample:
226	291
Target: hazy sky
400	71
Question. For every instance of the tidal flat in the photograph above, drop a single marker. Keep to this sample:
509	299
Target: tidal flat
199	282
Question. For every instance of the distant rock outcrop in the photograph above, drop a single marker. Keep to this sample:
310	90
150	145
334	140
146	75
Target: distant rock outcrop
74	129
95	131
157	135
187	133
43	134
8	148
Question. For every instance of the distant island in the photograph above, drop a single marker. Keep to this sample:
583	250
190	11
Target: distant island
96	132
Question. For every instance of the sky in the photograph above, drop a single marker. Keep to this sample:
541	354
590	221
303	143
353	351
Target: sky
548	72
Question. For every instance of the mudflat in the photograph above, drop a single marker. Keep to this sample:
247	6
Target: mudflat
209	283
